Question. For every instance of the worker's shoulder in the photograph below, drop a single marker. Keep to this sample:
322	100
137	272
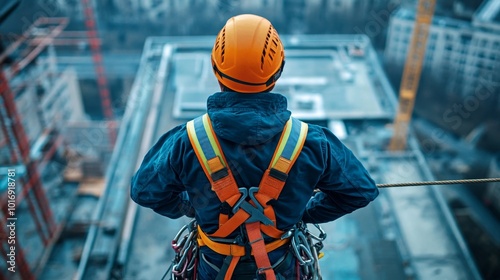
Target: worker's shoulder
174	137
318	133
322	137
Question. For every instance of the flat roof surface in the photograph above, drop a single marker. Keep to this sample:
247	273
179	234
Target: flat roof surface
405	233
336	81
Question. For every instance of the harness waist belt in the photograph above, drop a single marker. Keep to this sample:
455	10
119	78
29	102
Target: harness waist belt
233	249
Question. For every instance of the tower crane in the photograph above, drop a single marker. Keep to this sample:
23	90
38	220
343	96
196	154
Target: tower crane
411	73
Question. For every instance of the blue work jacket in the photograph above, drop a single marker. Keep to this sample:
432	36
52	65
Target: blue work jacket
171	181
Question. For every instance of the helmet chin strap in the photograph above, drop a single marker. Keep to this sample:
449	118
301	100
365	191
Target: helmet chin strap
223	88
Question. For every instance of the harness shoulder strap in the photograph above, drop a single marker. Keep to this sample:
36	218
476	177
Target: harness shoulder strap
211	158
286	153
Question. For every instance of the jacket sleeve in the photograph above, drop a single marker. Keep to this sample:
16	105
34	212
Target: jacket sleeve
345	184
156	184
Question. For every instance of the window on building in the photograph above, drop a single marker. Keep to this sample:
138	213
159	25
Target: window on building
483	43
465	38
434	36
428	58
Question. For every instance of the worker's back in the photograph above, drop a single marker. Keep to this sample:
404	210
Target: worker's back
248	128
186	172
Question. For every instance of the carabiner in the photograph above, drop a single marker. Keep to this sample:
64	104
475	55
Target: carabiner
301	250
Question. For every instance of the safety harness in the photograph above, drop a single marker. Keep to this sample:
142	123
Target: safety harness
241	206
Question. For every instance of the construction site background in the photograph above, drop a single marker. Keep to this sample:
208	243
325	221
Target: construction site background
70	129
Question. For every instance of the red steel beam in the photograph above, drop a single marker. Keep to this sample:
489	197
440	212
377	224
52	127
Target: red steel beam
23	146
5	132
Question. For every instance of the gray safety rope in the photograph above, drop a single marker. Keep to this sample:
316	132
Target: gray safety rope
440	182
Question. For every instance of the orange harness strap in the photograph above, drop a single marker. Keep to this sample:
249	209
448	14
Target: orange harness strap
289	147
259	250
234	249
232	266
256	214
212	160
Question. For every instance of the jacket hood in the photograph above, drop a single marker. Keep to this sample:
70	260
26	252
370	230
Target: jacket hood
247	119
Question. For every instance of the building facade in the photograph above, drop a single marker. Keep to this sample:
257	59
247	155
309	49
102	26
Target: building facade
465	54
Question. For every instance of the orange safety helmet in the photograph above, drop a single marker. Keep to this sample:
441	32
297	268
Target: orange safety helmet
248	55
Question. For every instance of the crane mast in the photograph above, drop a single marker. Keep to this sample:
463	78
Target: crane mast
411	73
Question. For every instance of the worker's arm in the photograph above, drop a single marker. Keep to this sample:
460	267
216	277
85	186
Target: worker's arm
345	184
156	184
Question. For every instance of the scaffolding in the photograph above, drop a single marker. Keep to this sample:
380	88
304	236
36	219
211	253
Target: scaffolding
17	58
28	184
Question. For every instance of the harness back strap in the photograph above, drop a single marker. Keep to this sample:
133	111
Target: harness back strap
214	164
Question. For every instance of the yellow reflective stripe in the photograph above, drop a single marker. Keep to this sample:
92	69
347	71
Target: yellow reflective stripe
288	128
213	141
194	137
300	141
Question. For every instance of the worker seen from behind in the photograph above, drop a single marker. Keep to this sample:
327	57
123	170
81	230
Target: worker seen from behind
247	170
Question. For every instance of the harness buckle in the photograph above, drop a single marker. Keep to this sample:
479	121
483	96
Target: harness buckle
256	212
262	270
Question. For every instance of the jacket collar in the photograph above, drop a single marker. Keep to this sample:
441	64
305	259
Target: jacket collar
247	119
